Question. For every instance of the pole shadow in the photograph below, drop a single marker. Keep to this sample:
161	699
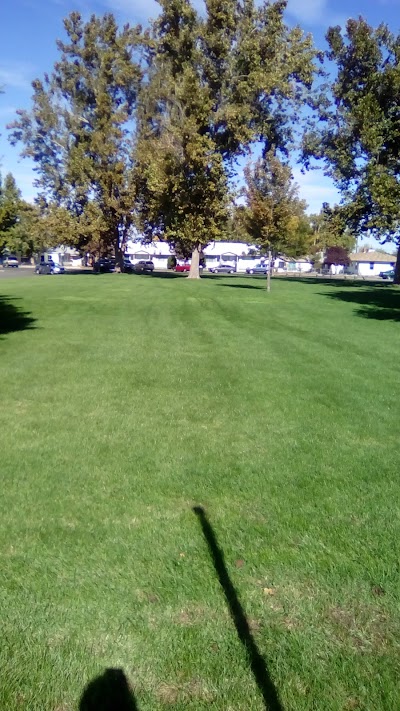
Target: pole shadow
256	661
108	692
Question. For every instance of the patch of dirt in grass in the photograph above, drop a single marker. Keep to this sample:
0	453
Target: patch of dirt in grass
364	628
21	407
193	615
194	689
255	625
352	704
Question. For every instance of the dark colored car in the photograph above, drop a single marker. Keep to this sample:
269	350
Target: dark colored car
104	265
10	261
145	266
387	275
128	266
222	269
182	268
49	268
258	269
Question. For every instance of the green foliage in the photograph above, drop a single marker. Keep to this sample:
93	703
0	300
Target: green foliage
78	130
330	229
274	214
216	84
360	135
127	402
152	122
10	199
17	218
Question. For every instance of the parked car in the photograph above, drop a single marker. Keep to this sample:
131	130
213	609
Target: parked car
128	265
387	275
182	268
222	269
258	269
104	265
49	268
145	266
9	261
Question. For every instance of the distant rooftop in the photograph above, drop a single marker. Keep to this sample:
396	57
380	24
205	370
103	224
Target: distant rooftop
373	256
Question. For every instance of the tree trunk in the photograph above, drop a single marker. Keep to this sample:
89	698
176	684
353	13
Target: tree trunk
269	271
119	257
194	272
397	268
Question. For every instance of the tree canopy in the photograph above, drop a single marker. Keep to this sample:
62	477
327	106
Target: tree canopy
215	85
17	219
79	130
358	134
275	215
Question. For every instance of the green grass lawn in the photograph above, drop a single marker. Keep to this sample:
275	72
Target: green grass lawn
125	402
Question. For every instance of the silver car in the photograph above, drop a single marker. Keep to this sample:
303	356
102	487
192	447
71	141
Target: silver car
10	261
49	268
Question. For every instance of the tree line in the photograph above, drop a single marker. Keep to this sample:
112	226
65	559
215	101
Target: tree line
148	127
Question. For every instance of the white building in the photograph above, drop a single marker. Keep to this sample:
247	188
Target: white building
240	255
64	255
371	263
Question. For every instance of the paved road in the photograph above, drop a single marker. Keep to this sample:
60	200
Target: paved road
19	273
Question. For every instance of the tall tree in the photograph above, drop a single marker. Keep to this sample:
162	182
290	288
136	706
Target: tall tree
78	132
359	135
329	228
216	84
10	201
276	218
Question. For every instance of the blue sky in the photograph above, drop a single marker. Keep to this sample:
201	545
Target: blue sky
29	29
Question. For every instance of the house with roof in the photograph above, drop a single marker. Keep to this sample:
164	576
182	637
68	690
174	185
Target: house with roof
239	255
371	262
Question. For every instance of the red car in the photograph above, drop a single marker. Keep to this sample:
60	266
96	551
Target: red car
182	268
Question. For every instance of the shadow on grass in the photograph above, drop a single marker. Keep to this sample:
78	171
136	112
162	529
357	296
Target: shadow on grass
379	302
337	281
108	692
255	659
244	286
78	272
13	318
164	275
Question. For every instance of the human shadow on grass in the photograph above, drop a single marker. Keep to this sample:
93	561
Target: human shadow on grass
108	692
12	318
256	661
379	302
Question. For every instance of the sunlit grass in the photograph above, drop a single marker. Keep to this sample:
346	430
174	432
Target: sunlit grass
130	400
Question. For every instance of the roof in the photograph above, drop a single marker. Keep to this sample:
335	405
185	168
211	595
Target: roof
380	257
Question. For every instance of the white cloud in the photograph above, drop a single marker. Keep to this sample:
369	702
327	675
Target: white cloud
308	11
6	111
315	189
16	75
140	10
314	12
